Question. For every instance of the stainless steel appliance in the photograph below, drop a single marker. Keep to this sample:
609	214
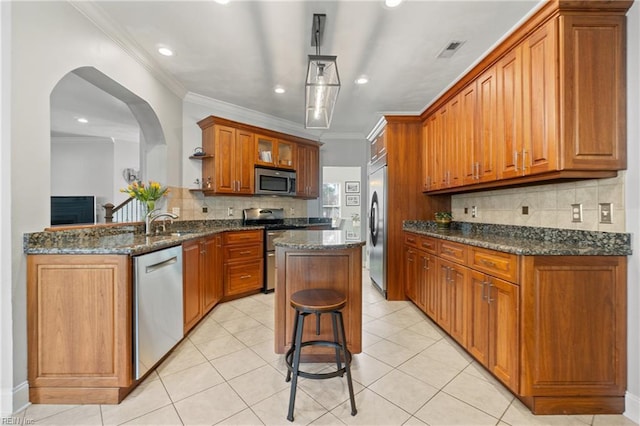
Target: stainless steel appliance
275	182
273	222
378	229
157	306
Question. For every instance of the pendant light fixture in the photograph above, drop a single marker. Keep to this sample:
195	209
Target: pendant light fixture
323	82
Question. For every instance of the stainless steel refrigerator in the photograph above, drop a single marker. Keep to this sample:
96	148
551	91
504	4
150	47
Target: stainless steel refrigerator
378	229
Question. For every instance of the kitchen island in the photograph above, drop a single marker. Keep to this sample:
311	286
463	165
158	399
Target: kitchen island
318	259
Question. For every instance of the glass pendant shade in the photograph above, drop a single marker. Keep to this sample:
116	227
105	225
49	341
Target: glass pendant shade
322	87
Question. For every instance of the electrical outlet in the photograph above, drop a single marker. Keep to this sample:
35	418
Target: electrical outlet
606	213
474	211
525	209
205	209
292	211
229	211
576	212
176	211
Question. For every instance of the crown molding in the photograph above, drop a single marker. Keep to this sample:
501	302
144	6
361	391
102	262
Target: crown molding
120	36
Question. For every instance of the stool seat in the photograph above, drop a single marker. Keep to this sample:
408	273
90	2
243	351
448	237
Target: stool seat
318	300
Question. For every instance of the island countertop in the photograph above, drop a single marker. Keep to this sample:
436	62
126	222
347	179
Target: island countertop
317	240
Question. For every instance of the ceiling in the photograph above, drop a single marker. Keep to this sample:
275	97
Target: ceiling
238	52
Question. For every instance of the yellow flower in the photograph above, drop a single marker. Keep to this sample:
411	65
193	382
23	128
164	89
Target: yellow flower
154	191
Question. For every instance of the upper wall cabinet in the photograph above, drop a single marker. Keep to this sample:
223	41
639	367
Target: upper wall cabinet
548	104
233	150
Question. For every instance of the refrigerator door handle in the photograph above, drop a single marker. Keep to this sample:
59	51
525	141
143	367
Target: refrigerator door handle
373	219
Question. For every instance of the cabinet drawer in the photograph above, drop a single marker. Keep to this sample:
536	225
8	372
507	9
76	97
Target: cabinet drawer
243	277
428	244
411	239
496	263
452	251
242	252
241	237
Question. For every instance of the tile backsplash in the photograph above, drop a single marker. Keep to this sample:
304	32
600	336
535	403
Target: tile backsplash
548	205
191	205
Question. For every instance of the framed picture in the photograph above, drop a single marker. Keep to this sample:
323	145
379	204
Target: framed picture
352	187
353	200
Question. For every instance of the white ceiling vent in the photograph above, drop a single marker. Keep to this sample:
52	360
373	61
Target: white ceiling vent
451	48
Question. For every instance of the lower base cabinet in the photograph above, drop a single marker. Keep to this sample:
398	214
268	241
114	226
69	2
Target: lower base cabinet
79	328
243	263
550	328
202	279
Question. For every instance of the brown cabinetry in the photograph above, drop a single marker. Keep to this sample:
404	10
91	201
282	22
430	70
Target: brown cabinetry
308	171
79	328
551	328
243	263
233	150
378	149
526	112
230	169
202	278
273	152
404	153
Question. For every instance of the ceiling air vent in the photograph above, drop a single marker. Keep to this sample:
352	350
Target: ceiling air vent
451	48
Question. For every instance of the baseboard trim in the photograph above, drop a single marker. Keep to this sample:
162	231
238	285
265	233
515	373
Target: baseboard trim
632	407
15	400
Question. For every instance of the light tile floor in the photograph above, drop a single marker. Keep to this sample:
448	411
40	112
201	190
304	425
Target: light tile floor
226	373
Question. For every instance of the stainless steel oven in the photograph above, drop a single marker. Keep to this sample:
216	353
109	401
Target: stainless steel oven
273	221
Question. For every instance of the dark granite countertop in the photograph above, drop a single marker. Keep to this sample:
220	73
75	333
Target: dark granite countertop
526	240
129	239
317	240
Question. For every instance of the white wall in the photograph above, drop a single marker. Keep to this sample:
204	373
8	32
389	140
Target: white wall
632	202
48	40
6	288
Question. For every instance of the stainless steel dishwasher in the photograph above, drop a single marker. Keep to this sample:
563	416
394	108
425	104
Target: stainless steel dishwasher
157	307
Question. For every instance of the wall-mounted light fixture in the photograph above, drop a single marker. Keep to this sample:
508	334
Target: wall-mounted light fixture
323	81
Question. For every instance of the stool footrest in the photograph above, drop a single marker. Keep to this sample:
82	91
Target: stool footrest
288	357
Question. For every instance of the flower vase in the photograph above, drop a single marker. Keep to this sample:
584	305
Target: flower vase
151	206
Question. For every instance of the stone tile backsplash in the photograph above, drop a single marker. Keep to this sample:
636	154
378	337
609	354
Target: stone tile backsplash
191	203
549	205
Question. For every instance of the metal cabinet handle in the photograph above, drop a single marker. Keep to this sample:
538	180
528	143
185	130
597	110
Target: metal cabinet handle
242	277
515	161
524	167
449	252
489	299
488	263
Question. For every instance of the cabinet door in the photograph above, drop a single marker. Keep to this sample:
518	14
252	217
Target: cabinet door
314	172
510	133
225	180
540	59
244	162
308	171
192	275
432	295
426	282
211	293
445	294
468	130
485	148
266	151
428	155
503	300
459	296
411	274
452	144
286	154
478	340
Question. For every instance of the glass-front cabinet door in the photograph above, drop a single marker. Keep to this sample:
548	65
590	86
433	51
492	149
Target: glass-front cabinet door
272	152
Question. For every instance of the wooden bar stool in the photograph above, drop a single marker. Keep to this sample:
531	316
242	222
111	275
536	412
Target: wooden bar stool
318	301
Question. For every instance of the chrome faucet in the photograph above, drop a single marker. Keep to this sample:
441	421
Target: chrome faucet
154	215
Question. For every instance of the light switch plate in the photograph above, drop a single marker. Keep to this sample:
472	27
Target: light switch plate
606	213
474	211
229	211
576	212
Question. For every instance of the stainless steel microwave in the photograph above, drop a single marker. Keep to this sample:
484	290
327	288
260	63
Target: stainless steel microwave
275	182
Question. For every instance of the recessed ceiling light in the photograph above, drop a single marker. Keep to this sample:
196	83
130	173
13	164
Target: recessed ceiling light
82	120
222	1
392	3
363	79
279	90
165	51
